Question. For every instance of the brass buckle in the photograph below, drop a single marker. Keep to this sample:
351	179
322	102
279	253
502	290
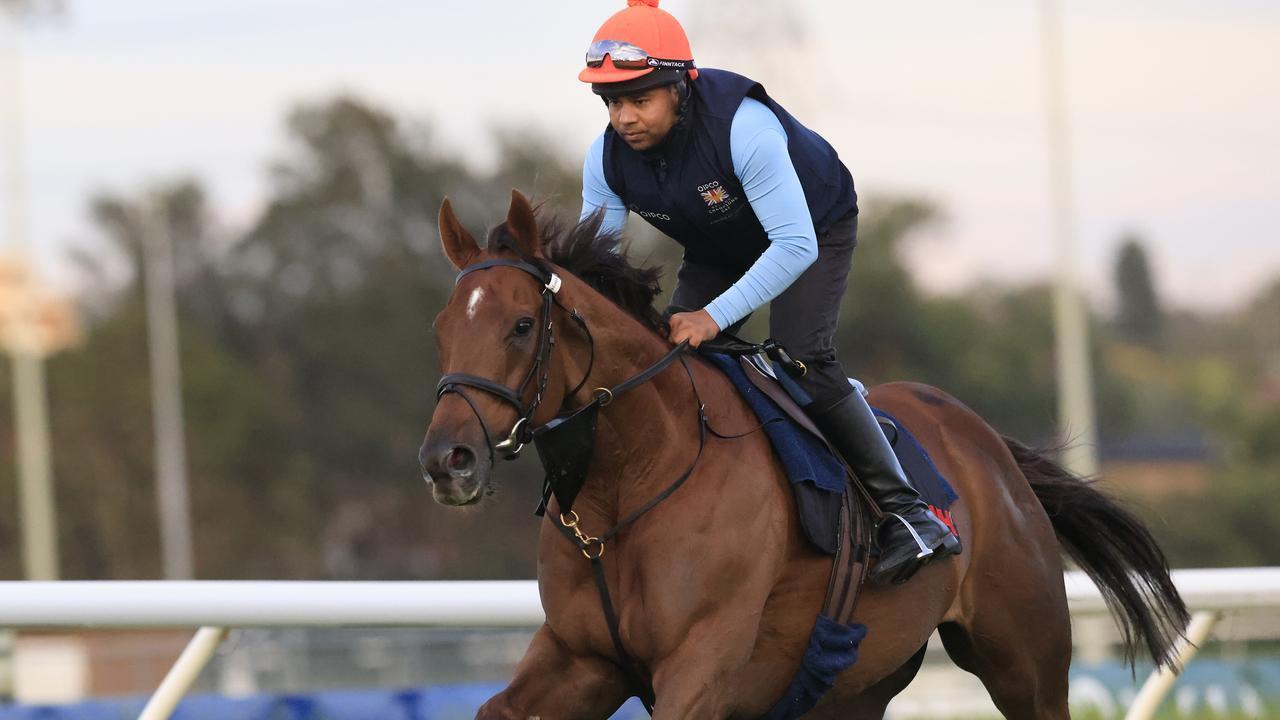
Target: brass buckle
590	543
604	395
570	520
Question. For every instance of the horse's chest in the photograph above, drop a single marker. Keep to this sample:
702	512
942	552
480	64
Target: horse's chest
576	615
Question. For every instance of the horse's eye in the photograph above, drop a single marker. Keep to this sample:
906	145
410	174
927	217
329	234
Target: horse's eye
523	326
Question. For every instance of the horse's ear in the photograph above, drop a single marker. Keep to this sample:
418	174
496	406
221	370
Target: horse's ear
523	226
458	244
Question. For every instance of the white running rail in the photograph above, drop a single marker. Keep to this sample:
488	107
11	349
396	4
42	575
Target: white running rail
213	606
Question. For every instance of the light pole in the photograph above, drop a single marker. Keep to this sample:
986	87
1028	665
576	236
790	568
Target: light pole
22	315
1076	423
39	534
172	493
33	325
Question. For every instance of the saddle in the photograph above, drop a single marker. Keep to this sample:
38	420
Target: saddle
837	520
765	372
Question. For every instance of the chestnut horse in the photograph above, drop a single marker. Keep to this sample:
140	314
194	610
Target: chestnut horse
715	588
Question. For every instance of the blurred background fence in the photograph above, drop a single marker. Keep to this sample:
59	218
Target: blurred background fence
273	665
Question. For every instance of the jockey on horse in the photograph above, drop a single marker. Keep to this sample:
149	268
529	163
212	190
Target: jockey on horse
767	213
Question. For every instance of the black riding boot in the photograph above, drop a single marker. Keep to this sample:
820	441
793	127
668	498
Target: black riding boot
910	534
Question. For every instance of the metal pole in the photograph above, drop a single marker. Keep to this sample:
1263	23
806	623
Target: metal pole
166	397
1076	423
7	682
1161	681
183	673
39	533
9	113
11	117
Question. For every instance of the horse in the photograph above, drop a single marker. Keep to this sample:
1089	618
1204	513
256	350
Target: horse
712	587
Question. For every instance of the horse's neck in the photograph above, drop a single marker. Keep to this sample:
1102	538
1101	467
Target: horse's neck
645	438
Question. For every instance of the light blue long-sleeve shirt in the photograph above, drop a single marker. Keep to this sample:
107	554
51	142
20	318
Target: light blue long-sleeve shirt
758	146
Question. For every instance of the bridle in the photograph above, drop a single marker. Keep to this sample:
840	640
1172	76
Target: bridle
565	442
539	372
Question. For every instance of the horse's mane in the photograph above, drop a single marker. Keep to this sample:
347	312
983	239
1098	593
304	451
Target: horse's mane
597	258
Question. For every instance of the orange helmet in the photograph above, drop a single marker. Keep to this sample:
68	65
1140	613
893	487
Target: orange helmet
639	47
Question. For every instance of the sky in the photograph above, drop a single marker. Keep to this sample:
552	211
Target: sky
1173	111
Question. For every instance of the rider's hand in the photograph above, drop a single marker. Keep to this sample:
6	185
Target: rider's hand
696	327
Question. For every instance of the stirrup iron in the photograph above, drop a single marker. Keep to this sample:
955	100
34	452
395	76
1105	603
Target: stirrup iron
925	550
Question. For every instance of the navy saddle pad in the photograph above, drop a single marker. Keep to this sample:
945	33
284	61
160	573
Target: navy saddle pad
808	459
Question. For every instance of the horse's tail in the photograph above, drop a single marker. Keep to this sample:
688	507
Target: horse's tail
1116	550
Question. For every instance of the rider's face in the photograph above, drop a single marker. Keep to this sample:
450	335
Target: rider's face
644	118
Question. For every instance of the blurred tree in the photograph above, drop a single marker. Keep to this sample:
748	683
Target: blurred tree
1259	340
354	190
534	164
102	416
880	333
199	250
1233	525
1263	439
1139	317
343	274
992	348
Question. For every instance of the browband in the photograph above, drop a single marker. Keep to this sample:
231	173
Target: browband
549	280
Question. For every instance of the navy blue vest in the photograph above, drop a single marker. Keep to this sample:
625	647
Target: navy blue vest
687	189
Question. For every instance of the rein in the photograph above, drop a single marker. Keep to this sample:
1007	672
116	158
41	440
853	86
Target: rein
569	520
565	444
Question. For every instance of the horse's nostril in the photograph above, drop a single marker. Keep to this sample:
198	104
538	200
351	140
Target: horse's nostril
441	461
460	458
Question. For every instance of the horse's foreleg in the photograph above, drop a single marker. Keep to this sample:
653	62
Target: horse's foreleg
695	680
550	682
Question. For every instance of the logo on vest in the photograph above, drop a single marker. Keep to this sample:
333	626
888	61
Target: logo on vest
717	198
647	215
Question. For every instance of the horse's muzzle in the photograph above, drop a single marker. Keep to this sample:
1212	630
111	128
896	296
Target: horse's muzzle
453	470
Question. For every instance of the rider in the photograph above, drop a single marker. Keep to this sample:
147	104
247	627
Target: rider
766	212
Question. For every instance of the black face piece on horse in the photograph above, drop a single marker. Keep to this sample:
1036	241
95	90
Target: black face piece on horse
566	443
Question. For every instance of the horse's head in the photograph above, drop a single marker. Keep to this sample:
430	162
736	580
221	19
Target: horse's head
495	353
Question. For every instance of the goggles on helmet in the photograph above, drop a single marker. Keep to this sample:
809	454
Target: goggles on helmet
626	56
